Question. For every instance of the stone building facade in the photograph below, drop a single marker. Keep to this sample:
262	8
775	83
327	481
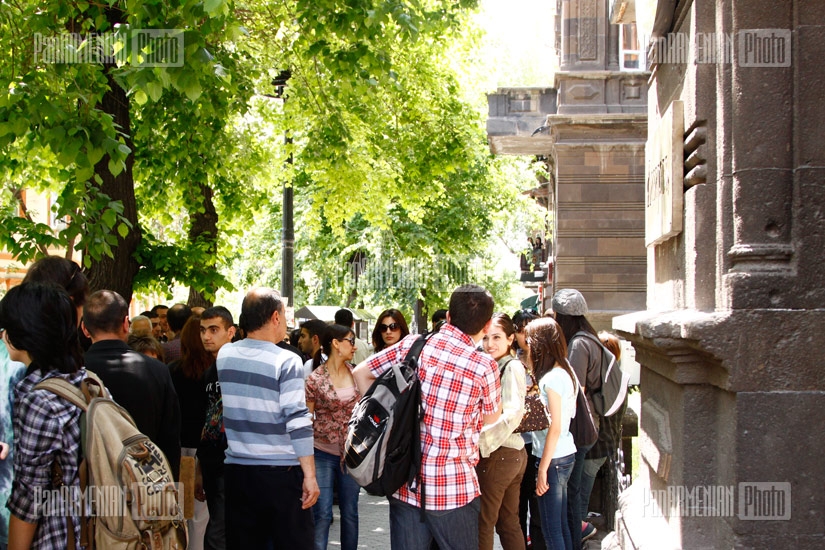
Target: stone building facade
730	338
590	128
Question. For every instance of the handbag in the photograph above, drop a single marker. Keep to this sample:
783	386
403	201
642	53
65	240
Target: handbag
536	417
585	433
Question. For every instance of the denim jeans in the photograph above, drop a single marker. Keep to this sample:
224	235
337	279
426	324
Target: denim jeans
328	471
455	529
554	504
574	498
591	469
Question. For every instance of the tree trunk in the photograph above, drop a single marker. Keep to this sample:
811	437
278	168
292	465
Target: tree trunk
421	314
118	272
204	228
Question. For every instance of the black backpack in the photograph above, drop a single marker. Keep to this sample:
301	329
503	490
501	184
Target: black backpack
383	446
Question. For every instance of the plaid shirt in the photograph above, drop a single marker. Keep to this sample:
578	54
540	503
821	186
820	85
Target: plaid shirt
46	429
458	386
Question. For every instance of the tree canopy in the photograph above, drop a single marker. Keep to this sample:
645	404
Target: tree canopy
172	174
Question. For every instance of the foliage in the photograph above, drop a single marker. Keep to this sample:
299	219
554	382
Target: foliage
390	160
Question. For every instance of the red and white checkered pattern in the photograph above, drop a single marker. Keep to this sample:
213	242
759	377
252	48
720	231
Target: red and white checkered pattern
459	385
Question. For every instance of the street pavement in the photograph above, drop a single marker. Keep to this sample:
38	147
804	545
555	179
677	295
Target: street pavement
374	526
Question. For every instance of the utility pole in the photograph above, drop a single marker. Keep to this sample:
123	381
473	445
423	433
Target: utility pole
288	229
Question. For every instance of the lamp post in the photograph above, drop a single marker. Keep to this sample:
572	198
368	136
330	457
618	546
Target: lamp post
288	229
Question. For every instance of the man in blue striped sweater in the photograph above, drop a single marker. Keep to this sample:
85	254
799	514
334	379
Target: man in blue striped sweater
270	469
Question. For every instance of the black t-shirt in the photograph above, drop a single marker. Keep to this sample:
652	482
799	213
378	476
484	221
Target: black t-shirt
213	437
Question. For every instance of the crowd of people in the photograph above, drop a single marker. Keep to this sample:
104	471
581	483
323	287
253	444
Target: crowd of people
263	414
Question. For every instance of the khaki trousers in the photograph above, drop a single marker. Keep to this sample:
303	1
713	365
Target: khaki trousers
499	477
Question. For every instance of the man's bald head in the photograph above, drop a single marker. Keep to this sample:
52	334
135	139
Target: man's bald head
258	306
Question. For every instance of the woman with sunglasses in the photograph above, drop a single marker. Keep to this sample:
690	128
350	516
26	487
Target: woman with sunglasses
331	395
390	329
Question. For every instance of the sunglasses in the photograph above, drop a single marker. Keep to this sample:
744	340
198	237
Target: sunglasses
391	327
351	340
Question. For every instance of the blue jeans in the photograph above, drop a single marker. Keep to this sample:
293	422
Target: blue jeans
591	469
455	529
554	503
575	496
328	471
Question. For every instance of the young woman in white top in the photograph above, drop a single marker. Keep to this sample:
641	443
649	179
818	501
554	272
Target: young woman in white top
554	447
503	458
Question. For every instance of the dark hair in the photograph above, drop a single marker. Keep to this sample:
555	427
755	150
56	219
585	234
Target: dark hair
438	316
157	307
294	334
150	314
571	324
177	316
547	347
333	332
194	359
62	272
41	319
377	341
258	307
142	343
503	321
104	311
315	327
612	343
218	311
471	306
522	317
344	317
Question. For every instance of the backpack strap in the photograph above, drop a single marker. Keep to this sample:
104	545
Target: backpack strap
504	366
413	354
65	390
415	350
92	386
80	399
602	348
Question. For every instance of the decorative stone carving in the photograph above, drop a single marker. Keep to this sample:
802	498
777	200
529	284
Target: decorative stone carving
588	30
583	92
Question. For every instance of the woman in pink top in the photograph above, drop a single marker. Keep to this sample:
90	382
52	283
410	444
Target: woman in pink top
331	395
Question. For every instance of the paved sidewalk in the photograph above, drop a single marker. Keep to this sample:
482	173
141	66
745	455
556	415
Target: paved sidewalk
373	523
374	526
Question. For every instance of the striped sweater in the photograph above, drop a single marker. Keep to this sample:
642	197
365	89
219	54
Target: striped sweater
265	415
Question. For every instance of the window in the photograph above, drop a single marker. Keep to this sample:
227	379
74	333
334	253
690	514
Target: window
631	51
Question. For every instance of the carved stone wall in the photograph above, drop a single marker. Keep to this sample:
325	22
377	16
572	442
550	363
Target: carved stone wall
729	343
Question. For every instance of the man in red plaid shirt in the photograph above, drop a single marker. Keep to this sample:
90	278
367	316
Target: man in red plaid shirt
460	392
